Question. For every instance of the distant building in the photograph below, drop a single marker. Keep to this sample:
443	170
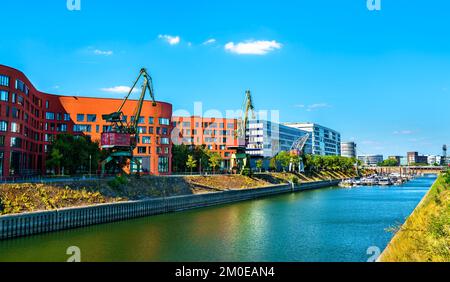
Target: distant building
325	141
371	160
266	139
434	160
415	158
217	134
348	149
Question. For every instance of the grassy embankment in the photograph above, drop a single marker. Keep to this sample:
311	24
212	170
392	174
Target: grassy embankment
20	198
425	237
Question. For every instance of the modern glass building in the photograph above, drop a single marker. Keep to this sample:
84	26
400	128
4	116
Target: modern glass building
325	141
348	149
267	139
371	160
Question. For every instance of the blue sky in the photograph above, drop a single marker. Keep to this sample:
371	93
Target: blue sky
382	78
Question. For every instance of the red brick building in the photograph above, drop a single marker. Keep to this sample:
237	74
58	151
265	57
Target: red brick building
218	134
29	119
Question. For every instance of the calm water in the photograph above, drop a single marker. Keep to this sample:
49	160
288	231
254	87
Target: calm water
324	225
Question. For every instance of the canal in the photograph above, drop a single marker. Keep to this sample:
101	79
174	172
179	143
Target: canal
335	224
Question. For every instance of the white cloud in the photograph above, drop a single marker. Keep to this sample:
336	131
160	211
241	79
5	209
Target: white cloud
118	89
252	47
403	132
172	40
312	107
210	41
103	52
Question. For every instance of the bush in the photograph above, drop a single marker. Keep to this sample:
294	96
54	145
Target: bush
118	181
247	172
294	179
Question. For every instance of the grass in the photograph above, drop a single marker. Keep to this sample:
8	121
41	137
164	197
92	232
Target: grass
425	237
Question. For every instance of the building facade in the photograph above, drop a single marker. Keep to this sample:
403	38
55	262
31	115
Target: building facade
348	149
325	141
30	120
415	158
266	139
217	134
371	160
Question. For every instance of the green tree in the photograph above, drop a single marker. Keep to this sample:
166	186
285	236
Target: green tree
215	160
180	155
273	165
284	158
191	163
389	163
74	154
259	164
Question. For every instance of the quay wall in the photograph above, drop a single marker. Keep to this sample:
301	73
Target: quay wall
20	225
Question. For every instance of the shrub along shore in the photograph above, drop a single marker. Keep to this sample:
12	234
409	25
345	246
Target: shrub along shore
425	237
22	198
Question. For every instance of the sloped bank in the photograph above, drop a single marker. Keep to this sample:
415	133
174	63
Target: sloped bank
27	224
425	236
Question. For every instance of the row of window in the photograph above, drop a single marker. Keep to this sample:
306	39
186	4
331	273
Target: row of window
4	80
204	124
58	116
159	150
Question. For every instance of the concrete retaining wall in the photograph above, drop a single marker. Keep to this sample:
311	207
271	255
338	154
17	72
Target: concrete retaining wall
48	221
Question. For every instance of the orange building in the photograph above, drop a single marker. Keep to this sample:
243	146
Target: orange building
30	119
217	134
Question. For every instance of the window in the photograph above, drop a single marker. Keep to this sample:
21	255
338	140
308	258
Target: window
61	127
166	150
165	141
3	126
164	121
163	164
165	131
58	116
125	119
151	120
2	141
15	113
146	140
150	130
91	118
15	128
142	130
50	116
16	142
80	117
20	100
13	98
20	85
47	104
4	96
142	150
66	117
4	80
141	120
82	128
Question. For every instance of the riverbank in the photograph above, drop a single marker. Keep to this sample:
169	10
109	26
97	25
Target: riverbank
26	224
24	198
425	237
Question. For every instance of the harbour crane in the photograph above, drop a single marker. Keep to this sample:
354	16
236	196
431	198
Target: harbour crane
297	149
240	159
122	136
